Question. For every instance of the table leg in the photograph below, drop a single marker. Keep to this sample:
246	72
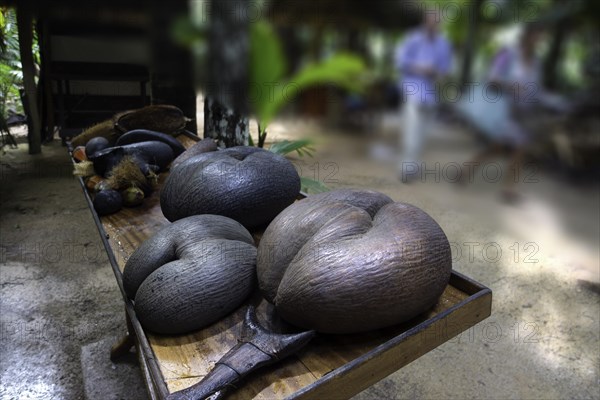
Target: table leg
123	346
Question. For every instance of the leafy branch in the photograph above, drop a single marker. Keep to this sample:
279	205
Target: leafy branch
269	91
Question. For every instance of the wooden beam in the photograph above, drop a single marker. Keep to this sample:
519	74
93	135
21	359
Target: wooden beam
172	74
47	100
25	29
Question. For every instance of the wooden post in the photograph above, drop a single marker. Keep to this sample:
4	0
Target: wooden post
25	28
554	54
469	48
172	74
47	100
225	103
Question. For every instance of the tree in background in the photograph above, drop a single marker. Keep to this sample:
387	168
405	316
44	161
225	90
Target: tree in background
11	77
13	29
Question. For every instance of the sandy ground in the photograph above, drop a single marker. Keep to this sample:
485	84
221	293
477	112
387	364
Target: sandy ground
60	308
539	257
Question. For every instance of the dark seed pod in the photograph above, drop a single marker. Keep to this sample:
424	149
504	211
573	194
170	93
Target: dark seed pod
248	184
191	273
143	135
148	155
203	146
108	202
95	145
352	260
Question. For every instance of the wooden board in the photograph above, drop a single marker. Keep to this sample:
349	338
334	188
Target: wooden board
331	366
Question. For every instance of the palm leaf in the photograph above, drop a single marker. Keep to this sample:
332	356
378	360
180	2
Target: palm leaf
267	66
302	147
312	186
269	92
342	70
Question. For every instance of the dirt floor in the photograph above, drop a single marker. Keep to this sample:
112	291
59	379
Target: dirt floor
60	308
58	294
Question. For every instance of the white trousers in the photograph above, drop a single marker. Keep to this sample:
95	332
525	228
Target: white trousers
416	120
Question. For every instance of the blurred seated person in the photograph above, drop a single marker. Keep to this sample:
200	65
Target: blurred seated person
513	89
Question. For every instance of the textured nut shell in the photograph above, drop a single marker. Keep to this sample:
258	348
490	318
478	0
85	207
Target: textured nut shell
247	184
358	262
203	146
191	273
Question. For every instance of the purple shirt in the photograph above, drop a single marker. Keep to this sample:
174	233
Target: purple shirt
420	50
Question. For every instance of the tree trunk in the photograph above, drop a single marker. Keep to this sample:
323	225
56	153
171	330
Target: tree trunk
225	103
25	28
223	124
469	49
554	54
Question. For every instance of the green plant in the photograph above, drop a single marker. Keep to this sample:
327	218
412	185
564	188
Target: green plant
302	147
269	90
11	76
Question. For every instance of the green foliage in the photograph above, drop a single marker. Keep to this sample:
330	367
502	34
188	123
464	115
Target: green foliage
302	147
312	186
11	76
267	66
270	91
186	33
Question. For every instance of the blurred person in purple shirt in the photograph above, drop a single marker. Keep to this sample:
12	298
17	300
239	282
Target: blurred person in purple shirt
422	58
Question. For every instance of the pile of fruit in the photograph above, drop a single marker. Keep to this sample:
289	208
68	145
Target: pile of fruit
120	159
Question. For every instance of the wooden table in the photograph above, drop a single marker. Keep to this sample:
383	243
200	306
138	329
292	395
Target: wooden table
330	367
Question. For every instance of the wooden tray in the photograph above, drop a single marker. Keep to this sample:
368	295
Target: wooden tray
330	367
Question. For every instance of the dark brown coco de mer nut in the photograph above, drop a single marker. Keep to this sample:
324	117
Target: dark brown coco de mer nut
349	261
191	273
248	184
